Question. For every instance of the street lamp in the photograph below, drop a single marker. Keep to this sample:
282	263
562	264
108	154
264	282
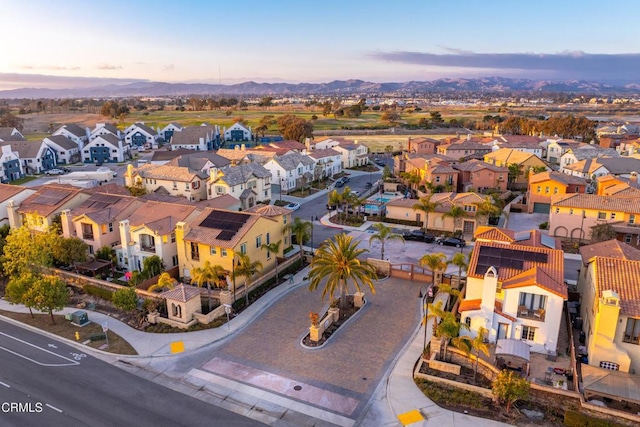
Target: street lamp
311	235
581	228
424	294
281	180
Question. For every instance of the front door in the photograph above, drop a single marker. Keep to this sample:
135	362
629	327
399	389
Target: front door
468	227
503	329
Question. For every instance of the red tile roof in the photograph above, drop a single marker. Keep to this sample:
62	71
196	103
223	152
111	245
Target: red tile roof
612	249
469	305
621	276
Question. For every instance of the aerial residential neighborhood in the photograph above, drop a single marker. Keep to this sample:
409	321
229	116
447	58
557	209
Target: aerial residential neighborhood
353	214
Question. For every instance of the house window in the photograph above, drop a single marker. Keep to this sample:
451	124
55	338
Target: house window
104	228
570	211
528	333
627	238
546	189
632	331
174	260
532	306
557	210
467	321
610	366
195	251
258	241
438	178
632	219
268	239
538	189
602	215
173	237
285	219
555	190
175	185
214	250
223	252
613	215
243	249
110	227
268	254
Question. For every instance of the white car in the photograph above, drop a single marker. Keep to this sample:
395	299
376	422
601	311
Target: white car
54	172
293	206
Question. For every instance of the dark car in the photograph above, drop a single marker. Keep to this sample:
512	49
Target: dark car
418	235
380	162
340	182
331	207
452	241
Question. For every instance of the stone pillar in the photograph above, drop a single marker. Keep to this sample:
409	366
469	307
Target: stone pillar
314	333
333	314
358	299
226	297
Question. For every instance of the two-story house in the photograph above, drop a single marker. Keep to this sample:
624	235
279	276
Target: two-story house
172	180
40	210
556	147
218	236
66	150
610	305
422	145
585	151
139	134
167	132
75	133
506	157
515	288
36	157
238	132
249	182
11	164
105	129
201	138
15	193
328	162
291	171
464	149
105	148
9	134
201	161
477	175
95	221
543	185
353	154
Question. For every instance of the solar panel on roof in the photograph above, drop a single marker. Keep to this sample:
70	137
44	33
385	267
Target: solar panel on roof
522	235
226	235
548	241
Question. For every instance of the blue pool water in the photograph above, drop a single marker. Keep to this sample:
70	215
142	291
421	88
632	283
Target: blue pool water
381	199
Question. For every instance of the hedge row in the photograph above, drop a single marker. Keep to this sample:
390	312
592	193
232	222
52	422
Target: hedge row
99	292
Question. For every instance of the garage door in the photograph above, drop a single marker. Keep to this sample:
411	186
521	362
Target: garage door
541	208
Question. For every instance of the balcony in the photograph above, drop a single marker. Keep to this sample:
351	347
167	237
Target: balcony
147	248
527	313
87	236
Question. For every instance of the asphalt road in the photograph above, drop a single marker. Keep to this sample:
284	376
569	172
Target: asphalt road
46	383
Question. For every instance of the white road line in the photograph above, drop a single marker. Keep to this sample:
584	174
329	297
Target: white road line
72	362
54	408
4	384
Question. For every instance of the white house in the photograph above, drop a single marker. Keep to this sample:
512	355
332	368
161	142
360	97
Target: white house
515	288
291	171
104	129
105	148
556	147
328	162
583	152
201	138
139	134
8	192
10	164
36	157
10	134
66	150
249	182
75	133
167	132
238	132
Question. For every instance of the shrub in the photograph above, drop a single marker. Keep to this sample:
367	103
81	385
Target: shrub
105	294
544	226
125	299
578	419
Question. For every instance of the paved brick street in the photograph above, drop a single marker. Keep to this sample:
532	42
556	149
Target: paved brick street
352	362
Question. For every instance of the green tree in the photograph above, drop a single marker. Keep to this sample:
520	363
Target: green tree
509	387
436	117
336	260
514	172
247	269
383	235
273	248
294	128
107	253
390	116
456	213
48	294
25	253
436	312
479	346
125	299
487	209
434	263
602	233
152	266
535	170
449	329
165	282
459	260
386	173
68	251
427	206
16	291
302	230
209	274
335	199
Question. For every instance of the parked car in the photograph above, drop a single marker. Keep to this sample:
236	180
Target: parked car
356	193
331	207
54	172
419	235
452	241
340	182
293	206
380	162
66	169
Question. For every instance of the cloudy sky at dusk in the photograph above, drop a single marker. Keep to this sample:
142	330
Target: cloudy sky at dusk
69	43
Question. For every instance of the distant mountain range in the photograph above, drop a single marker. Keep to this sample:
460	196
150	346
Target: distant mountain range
337	87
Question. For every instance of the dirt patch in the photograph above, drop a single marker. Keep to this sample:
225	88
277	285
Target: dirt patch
44	122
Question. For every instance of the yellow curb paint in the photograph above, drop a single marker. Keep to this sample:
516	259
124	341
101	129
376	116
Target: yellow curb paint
410	417
177	347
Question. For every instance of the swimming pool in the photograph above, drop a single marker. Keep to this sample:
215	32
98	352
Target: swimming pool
382	199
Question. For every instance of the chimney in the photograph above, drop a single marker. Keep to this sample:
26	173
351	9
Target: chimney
468	137
355	142
634	177
67	224
15	219
243	147
213	174
87	131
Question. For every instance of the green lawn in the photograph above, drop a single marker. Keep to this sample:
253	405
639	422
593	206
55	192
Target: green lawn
23	180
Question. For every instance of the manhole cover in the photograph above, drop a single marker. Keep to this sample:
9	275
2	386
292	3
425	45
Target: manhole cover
297	388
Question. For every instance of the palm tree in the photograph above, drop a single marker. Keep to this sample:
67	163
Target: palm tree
335	199
302	230
487	209
447	289
449	328
247	269
434	262
427	206
336	260
384	234
460	261
208	274
456	212
273	248
164	282
478	345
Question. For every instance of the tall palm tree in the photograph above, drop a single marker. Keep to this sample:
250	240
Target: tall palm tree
460	261
427	206
487	209
164	282
456	213
479	346
384	234
273	248
335	199
302	230
436	312
208	274
449	328
247	269
336	260
434	262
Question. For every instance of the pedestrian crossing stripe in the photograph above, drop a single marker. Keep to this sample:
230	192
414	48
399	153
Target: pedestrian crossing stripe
177	347
410	417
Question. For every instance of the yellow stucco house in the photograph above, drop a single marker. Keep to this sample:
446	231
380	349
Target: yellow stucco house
610	305
508	156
